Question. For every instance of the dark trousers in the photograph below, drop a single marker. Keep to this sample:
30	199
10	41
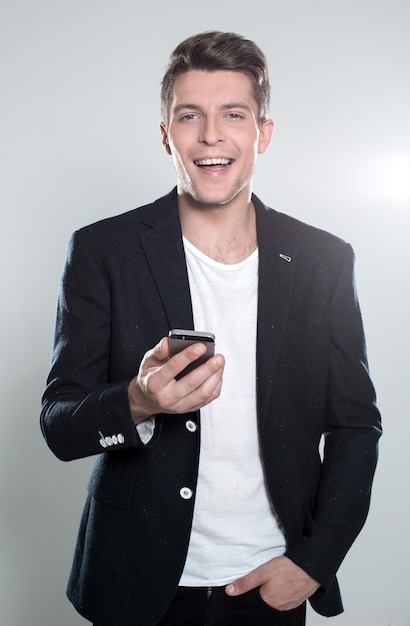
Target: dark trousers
211	606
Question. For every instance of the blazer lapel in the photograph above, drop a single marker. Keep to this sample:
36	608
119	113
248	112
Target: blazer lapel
277	265
164	250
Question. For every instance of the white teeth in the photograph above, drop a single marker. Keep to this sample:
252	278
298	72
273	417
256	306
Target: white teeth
213	162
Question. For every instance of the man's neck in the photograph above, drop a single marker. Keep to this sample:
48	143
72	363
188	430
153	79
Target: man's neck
225	233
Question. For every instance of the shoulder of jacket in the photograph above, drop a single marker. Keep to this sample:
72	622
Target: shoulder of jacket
302	233
132	221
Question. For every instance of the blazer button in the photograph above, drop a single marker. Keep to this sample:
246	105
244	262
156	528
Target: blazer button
191	426
186	493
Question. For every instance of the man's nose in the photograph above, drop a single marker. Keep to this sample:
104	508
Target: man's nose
211	131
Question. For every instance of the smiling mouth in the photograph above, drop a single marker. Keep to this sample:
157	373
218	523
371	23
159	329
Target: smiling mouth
213	162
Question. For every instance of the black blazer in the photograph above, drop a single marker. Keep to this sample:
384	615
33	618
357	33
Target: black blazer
124	286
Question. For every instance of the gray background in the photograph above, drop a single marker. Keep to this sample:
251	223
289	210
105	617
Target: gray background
79	141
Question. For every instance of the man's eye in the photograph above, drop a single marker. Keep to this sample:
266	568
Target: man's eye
188	117
234	116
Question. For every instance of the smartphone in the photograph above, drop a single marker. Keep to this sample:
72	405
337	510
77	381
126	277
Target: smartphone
180	339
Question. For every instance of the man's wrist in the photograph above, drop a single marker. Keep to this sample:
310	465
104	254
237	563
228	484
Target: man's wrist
139	413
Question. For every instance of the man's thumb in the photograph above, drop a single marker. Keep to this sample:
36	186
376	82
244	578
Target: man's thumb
240	586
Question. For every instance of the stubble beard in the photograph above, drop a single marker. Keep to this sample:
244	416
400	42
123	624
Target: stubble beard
203	201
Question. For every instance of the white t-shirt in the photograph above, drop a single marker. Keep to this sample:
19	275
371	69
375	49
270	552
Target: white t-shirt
234	527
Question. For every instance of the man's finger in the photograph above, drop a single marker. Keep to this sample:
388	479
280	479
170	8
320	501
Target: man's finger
182	359
244	584
161	350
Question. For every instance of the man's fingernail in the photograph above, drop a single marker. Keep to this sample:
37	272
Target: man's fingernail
230	588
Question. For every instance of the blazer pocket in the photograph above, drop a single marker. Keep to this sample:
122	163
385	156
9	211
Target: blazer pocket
111	489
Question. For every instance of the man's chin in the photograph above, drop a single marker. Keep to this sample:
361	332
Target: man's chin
211	201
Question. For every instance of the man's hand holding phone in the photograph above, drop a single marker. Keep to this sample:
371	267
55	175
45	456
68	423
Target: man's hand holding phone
181	382
180	339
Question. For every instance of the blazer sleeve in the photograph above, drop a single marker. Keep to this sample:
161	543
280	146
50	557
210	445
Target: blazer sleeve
352	429
84	410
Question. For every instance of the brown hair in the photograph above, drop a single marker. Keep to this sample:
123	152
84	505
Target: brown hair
212	51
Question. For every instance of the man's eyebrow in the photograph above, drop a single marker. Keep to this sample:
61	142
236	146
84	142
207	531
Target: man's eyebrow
224	107
184	106
237	105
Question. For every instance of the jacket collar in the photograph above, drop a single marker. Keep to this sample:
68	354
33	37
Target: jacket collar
277	270
164	251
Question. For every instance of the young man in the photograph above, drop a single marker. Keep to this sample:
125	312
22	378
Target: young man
209	503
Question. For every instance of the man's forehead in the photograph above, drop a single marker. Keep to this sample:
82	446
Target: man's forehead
221	86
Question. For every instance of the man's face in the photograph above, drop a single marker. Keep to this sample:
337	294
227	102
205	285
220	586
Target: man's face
214	136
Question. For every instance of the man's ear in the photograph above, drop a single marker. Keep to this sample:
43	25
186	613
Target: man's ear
164	136
265	137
